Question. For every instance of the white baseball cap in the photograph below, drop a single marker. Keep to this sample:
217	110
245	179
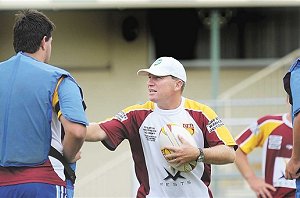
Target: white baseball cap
165	66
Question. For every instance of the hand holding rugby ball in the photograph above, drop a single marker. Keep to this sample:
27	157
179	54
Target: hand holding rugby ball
168	136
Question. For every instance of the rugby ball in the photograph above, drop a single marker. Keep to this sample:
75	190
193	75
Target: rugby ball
168	136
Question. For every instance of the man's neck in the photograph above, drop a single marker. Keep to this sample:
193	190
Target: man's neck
36	56
172	104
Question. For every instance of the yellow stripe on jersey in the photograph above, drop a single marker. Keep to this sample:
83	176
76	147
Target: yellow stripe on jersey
267	128
122	115
55	98
214	123
146	106
260	135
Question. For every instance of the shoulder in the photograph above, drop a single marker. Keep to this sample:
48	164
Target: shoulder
134	110
194	106
295	65
270	119
68	83
140	107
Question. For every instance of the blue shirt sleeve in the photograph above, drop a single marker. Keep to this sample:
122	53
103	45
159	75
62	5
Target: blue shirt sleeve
295	90
70	102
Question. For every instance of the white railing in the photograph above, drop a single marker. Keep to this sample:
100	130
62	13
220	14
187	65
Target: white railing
262	88
259	94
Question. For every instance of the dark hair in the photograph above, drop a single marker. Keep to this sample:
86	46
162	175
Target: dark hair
29	30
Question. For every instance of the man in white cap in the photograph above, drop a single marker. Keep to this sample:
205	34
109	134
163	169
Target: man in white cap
141	125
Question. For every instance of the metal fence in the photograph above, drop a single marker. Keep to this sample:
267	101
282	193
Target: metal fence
258	95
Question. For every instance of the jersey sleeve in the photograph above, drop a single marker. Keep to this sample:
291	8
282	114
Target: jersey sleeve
125	125
257	133
118	128
250	138
70	102
115	131
215	130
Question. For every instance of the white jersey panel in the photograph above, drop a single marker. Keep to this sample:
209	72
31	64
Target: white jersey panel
165	181
57	144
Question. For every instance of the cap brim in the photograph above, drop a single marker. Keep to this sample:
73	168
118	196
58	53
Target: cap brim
145	72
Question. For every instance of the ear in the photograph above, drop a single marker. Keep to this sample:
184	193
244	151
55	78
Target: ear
179	84
43	43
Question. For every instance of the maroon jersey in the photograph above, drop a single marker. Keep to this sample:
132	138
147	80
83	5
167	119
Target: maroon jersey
141	124
275	135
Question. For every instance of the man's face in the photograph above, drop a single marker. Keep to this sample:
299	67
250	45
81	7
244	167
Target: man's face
161	88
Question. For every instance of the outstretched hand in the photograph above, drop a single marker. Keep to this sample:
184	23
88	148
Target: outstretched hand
260	187
183	154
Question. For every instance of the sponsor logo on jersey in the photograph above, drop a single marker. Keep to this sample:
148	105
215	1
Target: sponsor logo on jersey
121	116
275	142
214	124
278	174
190	128
172	180
150	133
175	177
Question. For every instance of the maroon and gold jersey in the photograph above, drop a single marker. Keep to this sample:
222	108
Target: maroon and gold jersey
275	135
141	124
